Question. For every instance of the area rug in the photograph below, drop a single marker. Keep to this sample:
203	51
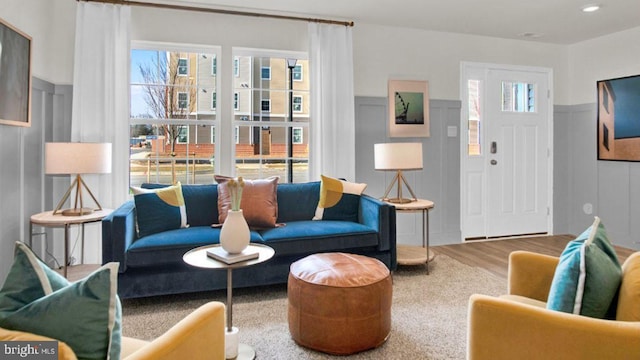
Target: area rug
429	314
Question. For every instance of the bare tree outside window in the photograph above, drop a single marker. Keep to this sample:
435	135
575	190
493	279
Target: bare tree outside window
165	91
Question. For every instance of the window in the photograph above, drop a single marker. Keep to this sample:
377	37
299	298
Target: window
171	119
297	103
265	73
297	135
264	141
183	134
183	100
265	105
175	117
473	145
297	73
518	97
183	67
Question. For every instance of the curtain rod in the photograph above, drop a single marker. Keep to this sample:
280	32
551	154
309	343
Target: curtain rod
220	11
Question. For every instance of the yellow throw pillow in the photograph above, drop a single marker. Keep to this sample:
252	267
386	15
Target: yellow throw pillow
339	200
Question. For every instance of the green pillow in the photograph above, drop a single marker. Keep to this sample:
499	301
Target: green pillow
588	275
160	209
86	314
339	200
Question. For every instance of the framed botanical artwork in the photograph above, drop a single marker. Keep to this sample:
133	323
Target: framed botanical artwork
619	119
408	108
15	76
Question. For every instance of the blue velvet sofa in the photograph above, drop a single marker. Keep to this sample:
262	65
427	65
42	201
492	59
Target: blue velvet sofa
152	265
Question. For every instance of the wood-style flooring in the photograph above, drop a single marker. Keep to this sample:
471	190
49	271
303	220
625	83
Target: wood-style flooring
493	255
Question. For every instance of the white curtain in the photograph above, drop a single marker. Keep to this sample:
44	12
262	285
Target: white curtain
100	93
332	128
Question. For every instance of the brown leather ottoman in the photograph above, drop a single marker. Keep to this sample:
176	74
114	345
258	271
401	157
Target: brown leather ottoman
339	303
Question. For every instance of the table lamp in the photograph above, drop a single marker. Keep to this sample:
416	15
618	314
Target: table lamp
77	158
398	157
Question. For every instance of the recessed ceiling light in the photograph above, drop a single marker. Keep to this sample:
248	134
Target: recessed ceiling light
530	35
591	8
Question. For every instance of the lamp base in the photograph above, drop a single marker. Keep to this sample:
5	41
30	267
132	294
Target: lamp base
398	200
76	212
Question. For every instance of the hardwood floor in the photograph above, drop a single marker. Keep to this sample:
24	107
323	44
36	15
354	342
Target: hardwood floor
493	255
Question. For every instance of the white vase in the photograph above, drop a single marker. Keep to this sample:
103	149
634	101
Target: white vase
234	236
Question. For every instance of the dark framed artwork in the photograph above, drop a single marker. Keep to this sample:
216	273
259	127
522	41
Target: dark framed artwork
15	76
408	108
619	119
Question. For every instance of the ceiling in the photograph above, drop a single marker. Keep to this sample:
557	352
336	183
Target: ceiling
550	21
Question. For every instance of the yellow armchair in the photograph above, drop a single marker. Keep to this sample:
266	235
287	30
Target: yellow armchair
518	326
198	336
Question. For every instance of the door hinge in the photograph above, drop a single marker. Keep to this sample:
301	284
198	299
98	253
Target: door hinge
548	93
548	210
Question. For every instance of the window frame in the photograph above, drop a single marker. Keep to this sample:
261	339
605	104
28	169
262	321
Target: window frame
185	66
262	70
301	109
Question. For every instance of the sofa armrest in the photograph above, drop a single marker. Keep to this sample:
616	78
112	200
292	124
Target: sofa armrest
530	274
503	329
382	217
198	336
118	233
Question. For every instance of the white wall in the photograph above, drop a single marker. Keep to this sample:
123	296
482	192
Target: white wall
382	52
51	25
606	57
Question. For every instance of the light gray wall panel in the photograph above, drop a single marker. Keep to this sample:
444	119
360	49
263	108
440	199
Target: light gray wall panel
611	187
437	181
24	189
583	178
561	167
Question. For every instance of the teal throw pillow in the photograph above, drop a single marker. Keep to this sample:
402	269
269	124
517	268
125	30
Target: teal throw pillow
159	210
339	200
588	276
86	314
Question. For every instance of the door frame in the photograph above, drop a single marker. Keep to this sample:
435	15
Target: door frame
466	68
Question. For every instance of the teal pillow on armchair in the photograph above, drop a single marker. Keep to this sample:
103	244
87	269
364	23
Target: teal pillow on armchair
588	275
86	314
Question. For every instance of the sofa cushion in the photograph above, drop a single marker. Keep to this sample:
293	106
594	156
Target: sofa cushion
259	201
297	201
588	275
339	200
305	237
629	295
197	199
159	209
86	314
168	247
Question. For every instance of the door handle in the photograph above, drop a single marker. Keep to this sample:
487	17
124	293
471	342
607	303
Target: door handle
494	147
494	162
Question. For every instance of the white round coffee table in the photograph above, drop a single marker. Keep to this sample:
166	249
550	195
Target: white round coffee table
198	257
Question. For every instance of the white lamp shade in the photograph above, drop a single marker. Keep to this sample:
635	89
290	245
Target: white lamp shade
77	158
398	156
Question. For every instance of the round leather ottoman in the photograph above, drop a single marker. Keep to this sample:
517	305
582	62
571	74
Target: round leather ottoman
339	303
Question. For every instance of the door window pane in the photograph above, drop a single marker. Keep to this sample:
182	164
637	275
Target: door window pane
518	97
473	146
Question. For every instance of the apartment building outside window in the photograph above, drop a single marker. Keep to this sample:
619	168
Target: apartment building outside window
175	115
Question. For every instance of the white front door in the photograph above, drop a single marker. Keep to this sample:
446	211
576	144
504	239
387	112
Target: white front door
506	155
